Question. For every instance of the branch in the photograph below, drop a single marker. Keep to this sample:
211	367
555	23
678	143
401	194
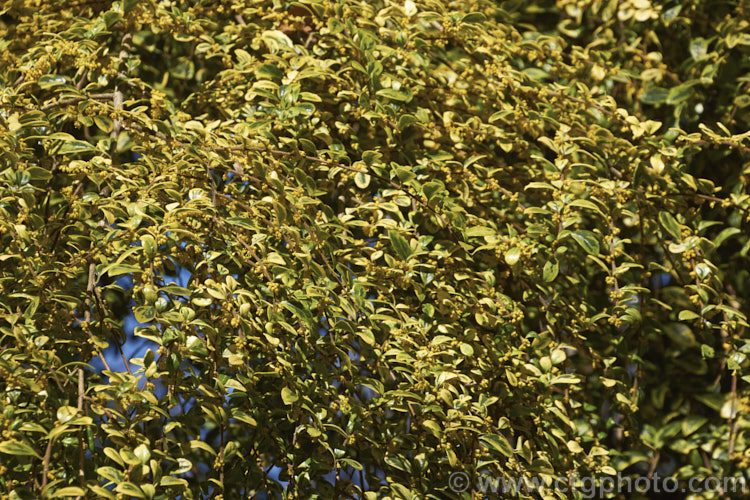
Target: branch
315	159
47	455
579	101
81	375
74	100
733	427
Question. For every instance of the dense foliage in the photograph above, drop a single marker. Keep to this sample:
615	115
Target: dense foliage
368	244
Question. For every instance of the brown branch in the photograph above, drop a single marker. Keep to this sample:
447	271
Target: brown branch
102	314
81	453
733	428
47	455
80	83
81	375
654	463
578	100
731	144
74	100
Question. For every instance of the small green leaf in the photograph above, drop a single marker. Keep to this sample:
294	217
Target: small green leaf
399	244
142	453
270	71
68	491
113	455
725	234
473	17
497	443
129	457
698	48
433	427
712	399
362	180
276	258
111	474
565	379
111	17
406	121
66	413
102	492
586	204
14	447
680	334
197	444
128	5
587	240
574	447
173	482
39	174
149	245
655	95
430	189
49	81
671	13
119	269
679	93
183	465
104	123
551	268
288	396
198	301
476	231
669	223
366	335
144	314
692	423
512	256
370	157
73	147
402	95
687	315
536	74
130	489
301	313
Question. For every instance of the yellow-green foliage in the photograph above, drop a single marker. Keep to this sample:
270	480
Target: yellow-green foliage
419	237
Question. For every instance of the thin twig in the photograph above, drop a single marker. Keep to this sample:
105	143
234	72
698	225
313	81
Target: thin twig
732	428
74	100
81	375
47	455
654	463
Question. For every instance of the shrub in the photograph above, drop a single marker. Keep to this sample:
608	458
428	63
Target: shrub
338	249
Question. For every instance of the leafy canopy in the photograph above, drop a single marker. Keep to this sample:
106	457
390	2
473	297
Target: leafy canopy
368	244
